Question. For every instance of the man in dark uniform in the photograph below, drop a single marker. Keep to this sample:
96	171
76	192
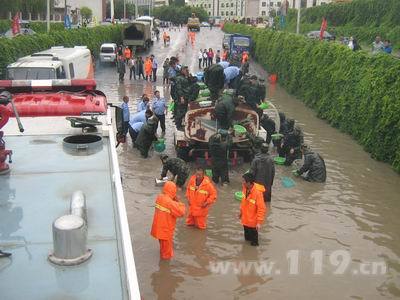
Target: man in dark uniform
269	125
219	145
214	79
146	136
186	90
224	111
291	144
263	169
177	167
314	166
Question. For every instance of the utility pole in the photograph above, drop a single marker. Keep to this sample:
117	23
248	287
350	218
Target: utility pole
298	17
112	10
124	10
136	9
48	16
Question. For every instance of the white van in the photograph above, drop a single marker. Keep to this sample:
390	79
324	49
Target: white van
54	63
108	53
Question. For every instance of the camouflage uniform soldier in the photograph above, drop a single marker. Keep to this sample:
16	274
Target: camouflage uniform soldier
214	79
177	167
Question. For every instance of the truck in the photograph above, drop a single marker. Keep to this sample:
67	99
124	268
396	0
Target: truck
138	35
193	23
55	63
200	123
239	43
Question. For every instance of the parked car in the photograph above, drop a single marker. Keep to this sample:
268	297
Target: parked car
204	24
315	35
108	53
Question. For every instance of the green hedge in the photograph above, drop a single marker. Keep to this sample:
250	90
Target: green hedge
38	27
363	19
355	92
12	49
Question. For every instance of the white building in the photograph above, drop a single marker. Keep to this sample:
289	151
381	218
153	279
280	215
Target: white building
266	6
225	9
98	7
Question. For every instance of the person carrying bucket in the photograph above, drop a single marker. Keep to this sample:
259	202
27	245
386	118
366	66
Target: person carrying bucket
167	209
252	208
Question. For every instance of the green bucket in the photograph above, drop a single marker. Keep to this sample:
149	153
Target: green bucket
171	106
161	141
209	172
202	85
263	105
238	196
239	129
279	160
277	136
159	147
205	93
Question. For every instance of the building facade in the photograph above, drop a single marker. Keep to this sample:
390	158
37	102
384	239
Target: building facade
224	9
98	7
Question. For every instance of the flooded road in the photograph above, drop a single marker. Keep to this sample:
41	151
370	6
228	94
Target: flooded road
338	240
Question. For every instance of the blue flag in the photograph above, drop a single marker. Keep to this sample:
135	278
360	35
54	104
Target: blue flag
67	22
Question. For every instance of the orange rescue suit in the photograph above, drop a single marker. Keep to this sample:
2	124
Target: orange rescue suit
148	67
167	210
127	53
199	196
245	57
253	207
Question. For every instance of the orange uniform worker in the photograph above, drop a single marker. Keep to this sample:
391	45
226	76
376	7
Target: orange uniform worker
245	57
167	210
127	53
148	68
201	194
252	208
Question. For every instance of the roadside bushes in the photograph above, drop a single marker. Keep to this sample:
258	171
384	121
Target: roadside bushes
353	91
363	19
37	26
12	49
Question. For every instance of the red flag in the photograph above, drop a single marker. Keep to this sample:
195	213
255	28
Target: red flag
324	25
15	24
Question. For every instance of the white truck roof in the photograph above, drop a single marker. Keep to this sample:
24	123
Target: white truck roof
54	54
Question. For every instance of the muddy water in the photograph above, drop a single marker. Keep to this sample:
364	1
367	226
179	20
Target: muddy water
313	231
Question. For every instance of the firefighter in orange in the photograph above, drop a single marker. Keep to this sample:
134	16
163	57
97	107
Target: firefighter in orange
245	57
252	208
127	53
225	55
167	210
201	194
192	37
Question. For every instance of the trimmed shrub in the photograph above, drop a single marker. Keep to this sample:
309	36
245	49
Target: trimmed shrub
353	91
363	19
12	49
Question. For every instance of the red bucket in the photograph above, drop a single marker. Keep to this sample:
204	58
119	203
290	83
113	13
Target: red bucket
273	78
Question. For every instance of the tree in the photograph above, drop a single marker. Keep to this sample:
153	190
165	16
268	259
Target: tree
179	14
119	9
86	12
178	2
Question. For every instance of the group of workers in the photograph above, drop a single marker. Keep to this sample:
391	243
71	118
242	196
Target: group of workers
201	195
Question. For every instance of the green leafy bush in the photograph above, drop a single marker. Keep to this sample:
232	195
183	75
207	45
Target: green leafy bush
353	91
363	19
38	27
12	49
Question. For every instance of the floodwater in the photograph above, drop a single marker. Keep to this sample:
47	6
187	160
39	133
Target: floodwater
338	240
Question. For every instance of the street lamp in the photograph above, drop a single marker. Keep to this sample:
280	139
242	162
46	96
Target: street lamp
48	16
298	17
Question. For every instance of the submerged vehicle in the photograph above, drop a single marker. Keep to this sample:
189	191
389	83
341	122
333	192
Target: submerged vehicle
138	35
200	123
193	23
238	44
62	209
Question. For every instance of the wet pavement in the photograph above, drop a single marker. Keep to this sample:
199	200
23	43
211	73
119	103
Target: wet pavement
319	241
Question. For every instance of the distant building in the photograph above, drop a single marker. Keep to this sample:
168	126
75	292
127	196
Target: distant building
224	9
98	7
